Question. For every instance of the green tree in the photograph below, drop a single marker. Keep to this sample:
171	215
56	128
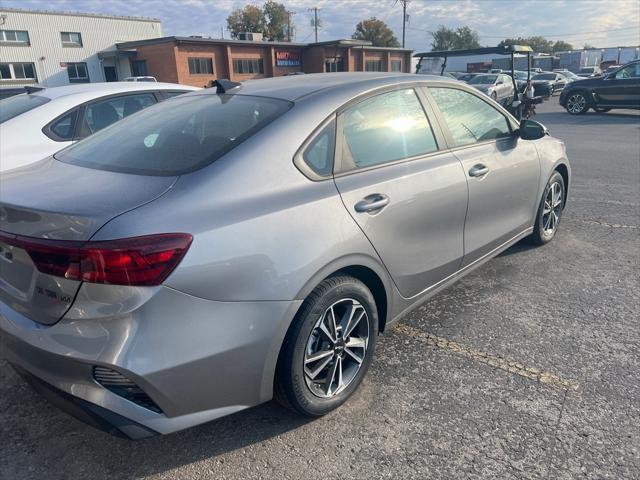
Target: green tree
561	46
537	43
588	46
247	19
459	39
377	32
277	22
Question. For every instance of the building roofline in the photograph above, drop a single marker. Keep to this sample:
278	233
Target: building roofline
226	41
81	14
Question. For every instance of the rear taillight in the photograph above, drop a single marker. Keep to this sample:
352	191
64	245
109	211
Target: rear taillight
142	261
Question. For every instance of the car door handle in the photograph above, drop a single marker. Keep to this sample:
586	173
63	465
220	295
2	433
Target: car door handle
371	203
478	170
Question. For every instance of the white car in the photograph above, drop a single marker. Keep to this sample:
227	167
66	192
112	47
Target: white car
140	79
42	121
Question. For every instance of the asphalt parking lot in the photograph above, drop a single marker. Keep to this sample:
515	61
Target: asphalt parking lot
528	368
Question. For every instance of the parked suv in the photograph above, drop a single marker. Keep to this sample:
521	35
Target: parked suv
618	89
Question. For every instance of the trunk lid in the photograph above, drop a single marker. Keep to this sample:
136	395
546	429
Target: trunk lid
56	201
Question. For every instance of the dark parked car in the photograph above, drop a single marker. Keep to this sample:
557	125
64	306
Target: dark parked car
555	81
618	89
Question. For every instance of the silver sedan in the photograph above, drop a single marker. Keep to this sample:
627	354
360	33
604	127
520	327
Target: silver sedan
231	245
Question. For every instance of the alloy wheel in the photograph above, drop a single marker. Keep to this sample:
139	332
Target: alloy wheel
552	209
576	103
336	348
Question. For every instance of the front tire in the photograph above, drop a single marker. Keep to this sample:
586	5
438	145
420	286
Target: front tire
577	103
328	348
549	211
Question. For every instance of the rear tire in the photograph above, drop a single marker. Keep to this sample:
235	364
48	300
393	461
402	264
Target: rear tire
549	211
302	382
494	96
577	103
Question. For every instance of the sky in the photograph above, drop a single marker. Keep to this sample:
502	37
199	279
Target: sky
601	23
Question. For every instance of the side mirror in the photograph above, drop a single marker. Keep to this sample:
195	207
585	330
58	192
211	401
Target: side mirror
531	130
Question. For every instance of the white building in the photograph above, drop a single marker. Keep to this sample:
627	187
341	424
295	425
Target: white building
58	48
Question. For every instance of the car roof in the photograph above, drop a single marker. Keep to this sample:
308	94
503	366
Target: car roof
100	89
294	87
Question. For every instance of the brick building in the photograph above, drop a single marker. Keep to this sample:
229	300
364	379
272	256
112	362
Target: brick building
195	61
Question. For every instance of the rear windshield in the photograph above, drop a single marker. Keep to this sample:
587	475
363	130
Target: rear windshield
545	76
484	79
18	104
176	136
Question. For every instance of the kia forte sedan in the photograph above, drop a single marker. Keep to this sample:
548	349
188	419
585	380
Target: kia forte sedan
250	241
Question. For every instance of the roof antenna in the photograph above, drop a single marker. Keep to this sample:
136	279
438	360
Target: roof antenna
223	85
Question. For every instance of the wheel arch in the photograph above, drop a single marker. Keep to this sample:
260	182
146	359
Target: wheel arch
368	271
563	170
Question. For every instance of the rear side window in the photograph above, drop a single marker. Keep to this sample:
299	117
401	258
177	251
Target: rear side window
319	154
385	128
176	136
469	118
101	114
19	104
65	127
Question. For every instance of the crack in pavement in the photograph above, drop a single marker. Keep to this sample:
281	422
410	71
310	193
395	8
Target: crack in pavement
496	361
602	224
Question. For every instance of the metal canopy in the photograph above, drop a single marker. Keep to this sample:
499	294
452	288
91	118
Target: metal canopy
504	50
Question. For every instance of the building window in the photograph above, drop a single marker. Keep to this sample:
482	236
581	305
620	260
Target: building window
334	64
200	66
248	65
71	39
396	65
373	66
18	71
14	37
139	68
78	72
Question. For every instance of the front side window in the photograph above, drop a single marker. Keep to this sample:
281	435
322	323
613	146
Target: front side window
373	66
248	65
77	72
71	39
469	118
176	136
385	128
200	66
101	114
17	37
630	71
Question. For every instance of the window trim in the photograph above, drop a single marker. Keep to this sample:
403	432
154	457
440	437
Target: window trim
395	60
450	143
380	62
241	59
71	44
438	136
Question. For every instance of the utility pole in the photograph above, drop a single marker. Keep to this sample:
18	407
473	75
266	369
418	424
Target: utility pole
289	13
315	20
222	32
404	18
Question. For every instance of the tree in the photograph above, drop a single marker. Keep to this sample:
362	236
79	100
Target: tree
561	46
247	19
377	32
277	20
588	46
537	43
449	39
272	20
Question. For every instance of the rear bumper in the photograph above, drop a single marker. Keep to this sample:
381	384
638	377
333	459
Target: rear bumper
196	359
